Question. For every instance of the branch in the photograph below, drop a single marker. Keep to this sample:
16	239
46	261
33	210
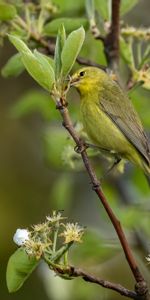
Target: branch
81	60
88	62
111	41
141	286
49	46
75	272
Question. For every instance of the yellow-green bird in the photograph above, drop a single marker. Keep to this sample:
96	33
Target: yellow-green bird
110	119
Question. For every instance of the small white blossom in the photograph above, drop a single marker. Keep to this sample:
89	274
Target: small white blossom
148	258
21	236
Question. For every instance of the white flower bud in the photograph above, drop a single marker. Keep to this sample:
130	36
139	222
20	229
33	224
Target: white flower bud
21	236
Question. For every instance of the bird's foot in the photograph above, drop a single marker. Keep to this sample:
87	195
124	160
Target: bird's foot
82	146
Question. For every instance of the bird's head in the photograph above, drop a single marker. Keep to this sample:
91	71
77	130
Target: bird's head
87	79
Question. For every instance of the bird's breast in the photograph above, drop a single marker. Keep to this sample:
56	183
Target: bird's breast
100	128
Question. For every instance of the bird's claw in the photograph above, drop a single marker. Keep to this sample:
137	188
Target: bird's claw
80	148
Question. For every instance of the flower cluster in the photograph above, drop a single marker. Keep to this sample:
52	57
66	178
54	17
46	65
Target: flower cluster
72	233
141	33
42	239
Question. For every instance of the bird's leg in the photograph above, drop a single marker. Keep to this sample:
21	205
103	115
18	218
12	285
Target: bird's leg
88	145
115	163
81	147
92	146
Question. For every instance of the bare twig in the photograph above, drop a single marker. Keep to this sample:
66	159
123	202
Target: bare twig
111	41
76	272
141	286
88	62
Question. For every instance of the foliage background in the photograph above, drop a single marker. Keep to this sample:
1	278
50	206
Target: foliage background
33	181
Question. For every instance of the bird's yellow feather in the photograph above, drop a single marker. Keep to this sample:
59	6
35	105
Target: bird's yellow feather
109	117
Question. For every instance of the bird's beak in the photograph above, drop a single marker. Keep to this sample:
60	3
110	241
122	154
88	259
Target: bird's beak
74	80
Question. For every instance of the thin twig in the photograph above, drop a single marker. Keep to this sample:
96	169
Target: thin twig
76	272
88	62
111	41
67	123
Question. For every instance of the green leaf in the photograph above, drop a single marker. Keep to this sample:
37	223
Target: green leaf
61	38
104	8
71	6
44	58
7	12
127	52
19	267
71	49
40	55
13	67
39	70
127	5
19	44
36	64
70	24
90	9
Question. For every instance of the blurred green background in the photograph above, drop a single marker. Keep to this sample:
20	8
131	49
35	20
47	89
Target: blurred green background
35	179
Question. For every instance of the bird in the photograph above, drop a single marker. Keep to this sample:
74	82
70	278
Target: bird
110	119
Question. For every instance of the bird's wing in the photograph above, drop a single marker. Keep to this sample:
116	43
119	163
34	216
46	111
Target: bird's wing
120	110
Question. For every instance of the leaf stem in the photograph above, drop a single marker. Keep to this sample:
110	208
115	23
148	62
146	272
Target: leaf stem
55	236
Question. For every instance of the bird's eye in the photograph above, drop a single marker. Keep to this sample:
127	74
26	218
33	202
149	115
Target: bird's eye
82	73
